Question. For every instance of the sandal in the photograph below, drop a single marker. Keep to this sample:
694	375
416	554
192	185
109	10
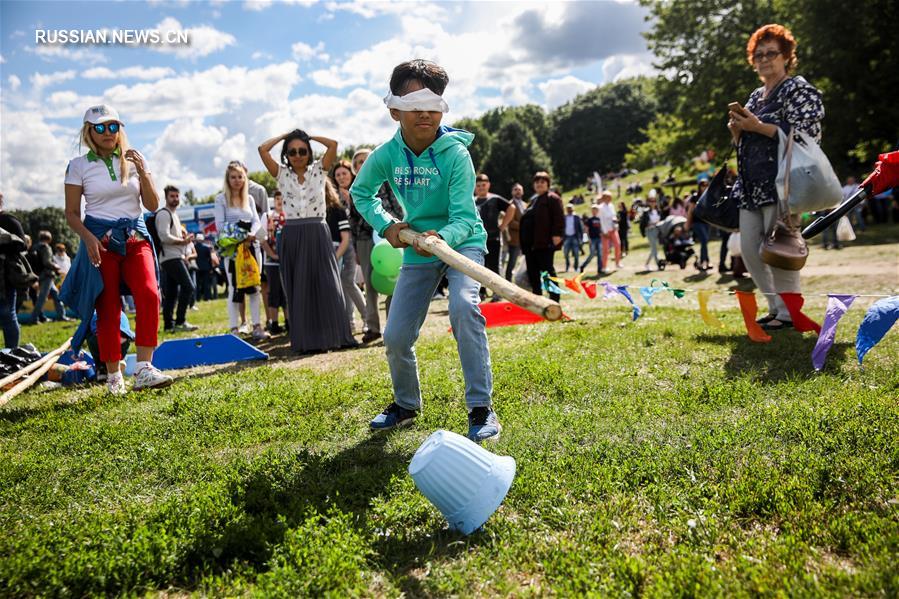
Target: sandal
766	319
777	325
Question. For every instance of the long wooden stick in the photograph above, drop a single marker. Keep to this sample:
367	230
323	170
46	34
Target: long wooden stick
531	302
24	384
29	368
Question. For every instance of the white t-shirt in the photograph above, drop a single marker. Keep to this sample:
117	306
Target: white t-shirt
654	217
104	195
306	200
607	217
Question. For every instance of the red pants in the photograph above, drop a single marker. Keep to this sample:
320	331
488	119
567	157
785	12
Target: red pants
138	270
614	240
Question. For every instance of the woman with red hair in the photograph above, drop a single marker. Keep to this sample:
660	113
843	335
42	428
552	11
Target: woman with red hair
783	102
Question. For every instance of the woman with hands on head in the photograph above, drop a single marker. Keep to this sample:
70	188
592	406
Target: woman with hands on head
309	271
116	247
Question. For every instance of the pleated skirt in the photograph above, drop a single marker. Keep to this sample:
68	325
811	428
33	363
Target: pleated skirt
311	280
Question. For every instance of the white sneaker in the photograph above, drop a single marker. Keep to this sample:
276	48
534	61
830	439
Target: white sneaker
149	377
116	385
243	329
260	335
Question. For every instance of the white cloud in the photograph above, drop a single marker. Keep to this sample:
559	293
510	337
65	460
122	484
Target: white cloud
82	55
2	59
193	155
558	91
374	8
624	66
143	73
261	56
40	80
204	40
258	5
33	179
224	89
302	51
14	82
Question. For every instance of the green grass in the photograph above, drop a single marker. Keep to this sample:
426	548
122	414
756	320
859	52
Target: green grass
655	458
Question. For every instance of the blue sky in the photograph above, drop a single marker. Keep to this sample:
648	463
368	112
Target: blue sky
254	69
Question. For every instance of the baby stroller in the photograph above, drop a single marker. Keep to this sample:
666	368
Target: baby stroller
677	243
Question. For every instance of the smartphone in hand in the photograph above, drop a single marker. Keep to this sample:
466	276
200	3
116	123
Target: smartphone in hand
735	107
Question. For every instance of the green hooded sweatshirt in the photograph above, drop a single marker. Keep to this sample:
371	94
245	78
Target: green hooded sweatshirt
436	190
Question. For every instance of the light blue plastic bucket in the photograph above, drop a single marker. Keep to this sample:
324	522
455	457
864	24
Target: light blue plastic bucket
130	364
464	481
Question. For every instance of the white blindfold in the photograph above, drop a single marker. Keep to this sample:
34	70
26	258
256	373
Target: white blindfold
421	100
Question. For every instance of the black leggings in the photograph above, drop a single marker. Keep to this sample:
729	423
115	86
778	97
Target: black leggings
539	261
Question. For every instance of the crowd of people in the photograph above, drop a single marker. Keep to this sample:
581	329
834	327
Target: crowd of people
307	252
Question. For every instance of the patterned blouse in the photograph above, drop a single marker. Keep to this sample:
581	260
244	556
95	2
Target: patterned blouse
794	103
303	200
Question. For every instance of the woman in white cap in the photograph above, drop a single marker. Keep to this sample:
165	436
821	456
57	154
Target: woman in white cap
116	249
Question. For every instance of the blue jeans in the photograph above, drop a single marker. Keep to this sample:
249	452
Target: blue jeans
572	245
701	234
8	320
411	298
48	290
595	250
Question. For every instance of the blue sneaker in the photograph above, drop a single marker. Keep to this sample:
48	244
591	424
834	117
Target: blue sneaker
394	416
483	424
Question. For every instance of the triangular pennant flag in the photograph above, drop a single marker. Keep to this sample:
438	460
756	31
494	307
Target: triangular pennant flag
750	309
622	289
801	322
610	290
837	305
575	283
549	286
503	314
589	289
678	293
880	318
707	317
647	293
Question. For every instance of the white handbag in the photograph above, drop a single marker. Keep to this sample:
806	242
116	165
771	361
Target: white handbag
844	230
813	184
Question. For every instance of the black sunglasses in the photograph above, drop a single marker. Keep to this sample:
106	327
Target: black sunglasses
102	127
297	152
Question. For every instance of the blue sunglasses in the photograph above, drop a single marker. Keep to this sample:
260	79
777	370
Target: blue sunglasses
102	127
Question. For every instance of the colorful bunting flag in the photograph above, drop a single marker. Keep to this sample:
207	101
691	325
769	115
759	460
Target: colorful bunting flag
707	317
801	322
549	286
622	289
575	283
750	309
589	289
837	305
880	318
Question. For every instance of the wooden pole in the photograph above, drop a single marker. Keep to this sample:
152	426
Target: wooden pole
30	368
531	302
49	360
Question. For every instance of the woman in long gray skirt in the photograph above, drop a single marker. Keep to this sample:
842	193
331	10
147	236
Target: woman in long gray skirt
309	273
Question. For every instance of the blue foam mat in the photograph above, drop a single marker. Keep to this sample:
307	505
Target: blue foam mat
204	351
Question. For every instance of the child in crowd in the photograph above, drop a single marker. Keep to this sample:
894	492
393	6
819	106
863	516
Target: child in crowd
430	170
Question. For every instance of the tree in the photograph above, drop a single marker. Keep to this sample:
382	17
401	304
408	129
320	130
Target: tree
533	117
48	219
265	179
593	131
480	147
514	157
857	68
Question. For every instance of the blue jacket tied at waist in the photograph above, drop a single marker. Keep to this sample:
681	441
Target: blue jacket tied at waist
84	283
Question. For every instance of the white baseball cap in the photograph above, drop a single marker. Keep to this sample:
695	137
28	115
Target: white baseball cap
102	113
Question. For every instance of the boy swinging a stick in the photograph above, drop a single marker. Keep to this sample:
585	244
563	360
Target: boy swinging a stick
429	168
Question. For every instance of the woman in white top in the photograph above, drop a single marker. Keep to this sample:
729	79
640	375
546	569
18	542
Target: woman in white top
309	272
650	220
116	248
233	206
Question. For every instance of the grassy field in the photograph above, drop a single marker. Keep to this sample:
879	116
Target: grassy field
655	458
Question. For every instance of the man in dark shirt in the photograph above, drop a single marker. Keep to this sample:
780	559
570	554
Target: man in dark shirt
204	268
489	207
47	277
594	234
8	320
